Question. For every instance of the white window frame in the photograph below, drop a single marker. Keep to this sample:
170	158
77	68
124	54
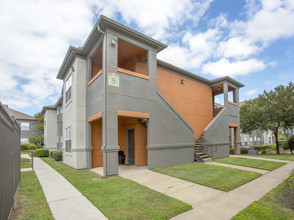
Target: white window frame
68	85
68	139
25	126
24	141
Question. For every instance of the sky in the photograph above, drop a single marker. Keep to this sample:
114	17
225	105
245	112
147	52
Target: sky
249	40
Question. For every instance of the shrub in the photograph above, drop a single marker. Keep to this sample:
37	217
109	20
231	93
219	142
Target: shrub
261	147
244	150
291	143
232	151
263	151
51	153
57	155
33	147
291	181
285	145
24	146
41	153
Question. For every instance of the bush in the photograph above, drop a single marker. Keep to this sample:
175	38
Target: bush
285	145
24	146
244	150
291	181
51	153
232	151
263	151
41	153
57	155
261	147
33	147
291	143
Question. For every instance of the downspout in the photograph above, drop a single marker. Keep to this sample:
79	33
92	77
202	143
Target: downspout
103	33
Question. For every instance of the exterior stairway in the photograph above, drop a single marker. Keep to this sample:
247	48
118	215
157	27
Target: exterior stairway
199	154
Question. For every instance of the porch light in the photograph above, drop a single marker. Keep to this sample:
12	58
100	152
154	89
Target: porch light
182	81
218	88
113	43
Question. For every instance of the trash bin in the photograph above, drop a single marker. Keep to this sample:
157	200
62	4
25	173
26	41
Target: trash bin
121	157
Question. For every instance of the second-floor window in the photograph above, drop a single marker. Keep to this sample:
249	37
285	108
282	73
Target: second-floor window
68	139
25	126
68	84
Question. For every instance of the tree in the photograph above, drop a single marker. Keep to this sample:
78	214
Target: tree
270	111
38	139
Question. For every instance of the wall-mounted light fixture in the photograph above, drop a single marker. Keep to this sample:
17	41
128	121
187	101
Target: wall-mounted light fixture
72	69
113	42
218	88
182	81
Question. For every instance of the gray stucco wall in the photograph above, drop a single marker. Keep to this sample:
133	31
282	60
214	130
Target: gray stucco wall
217	132
50	131
32	131
169	138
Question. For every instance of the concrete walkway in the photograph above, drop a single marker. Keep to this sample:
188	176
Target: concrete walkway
229	204
207	203
64	200
191	193
239	167
260	158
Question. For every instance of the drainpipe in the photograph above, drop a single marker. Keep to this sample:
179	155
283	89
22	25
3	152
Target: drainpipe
103	33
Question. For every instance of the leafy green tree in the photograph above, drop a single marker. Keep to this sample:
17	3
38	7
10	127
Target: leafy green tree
38	139
270	111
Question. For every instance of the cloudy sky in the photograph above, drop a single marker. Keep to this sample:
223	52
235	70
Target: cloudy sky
251	41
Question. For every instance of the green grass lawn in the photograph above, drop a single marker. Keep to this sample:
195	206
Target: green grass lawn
30	201
260	164
217	177
119	198
275	204
289	157
25	163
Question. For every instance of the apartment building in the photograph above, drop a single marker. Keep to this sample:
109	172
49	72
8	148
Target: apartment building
119	99
27	124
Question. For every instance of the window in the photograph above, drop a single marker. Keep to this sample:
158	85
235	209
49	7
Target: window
68	139
24	141
68	84
25	126
269	140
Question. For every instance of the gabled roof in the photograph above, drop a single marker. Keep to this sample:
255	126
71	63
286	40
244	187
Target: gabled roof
19	115
51	107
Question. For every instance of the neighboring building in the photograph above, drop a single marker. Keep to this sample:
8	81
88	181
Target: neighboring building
119	97
53	126
27	124
256	137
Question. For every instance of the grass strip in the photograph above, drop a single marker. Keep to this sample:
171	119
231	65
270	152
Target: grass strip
276	204
253	163
30	202
289	157
119	198
25	163
217	177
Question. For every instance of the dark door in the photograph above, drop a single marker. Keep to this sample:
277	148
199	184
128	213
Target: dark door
131	146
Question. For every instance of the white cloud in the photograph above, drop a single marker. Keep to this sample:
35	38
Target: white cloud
237	47
35	35
252	92
224	67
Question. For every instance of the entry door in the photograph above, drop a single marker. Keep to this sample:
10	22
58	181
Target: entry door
131	146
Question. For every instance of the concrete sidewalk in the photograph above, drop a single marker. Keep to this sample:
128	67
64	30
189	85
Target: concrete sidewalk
191	193
64	200
239	167
207	203
260	158
228	205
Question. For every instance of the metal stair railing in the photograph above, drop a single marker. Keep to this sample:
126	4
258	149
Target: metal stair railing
206	145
